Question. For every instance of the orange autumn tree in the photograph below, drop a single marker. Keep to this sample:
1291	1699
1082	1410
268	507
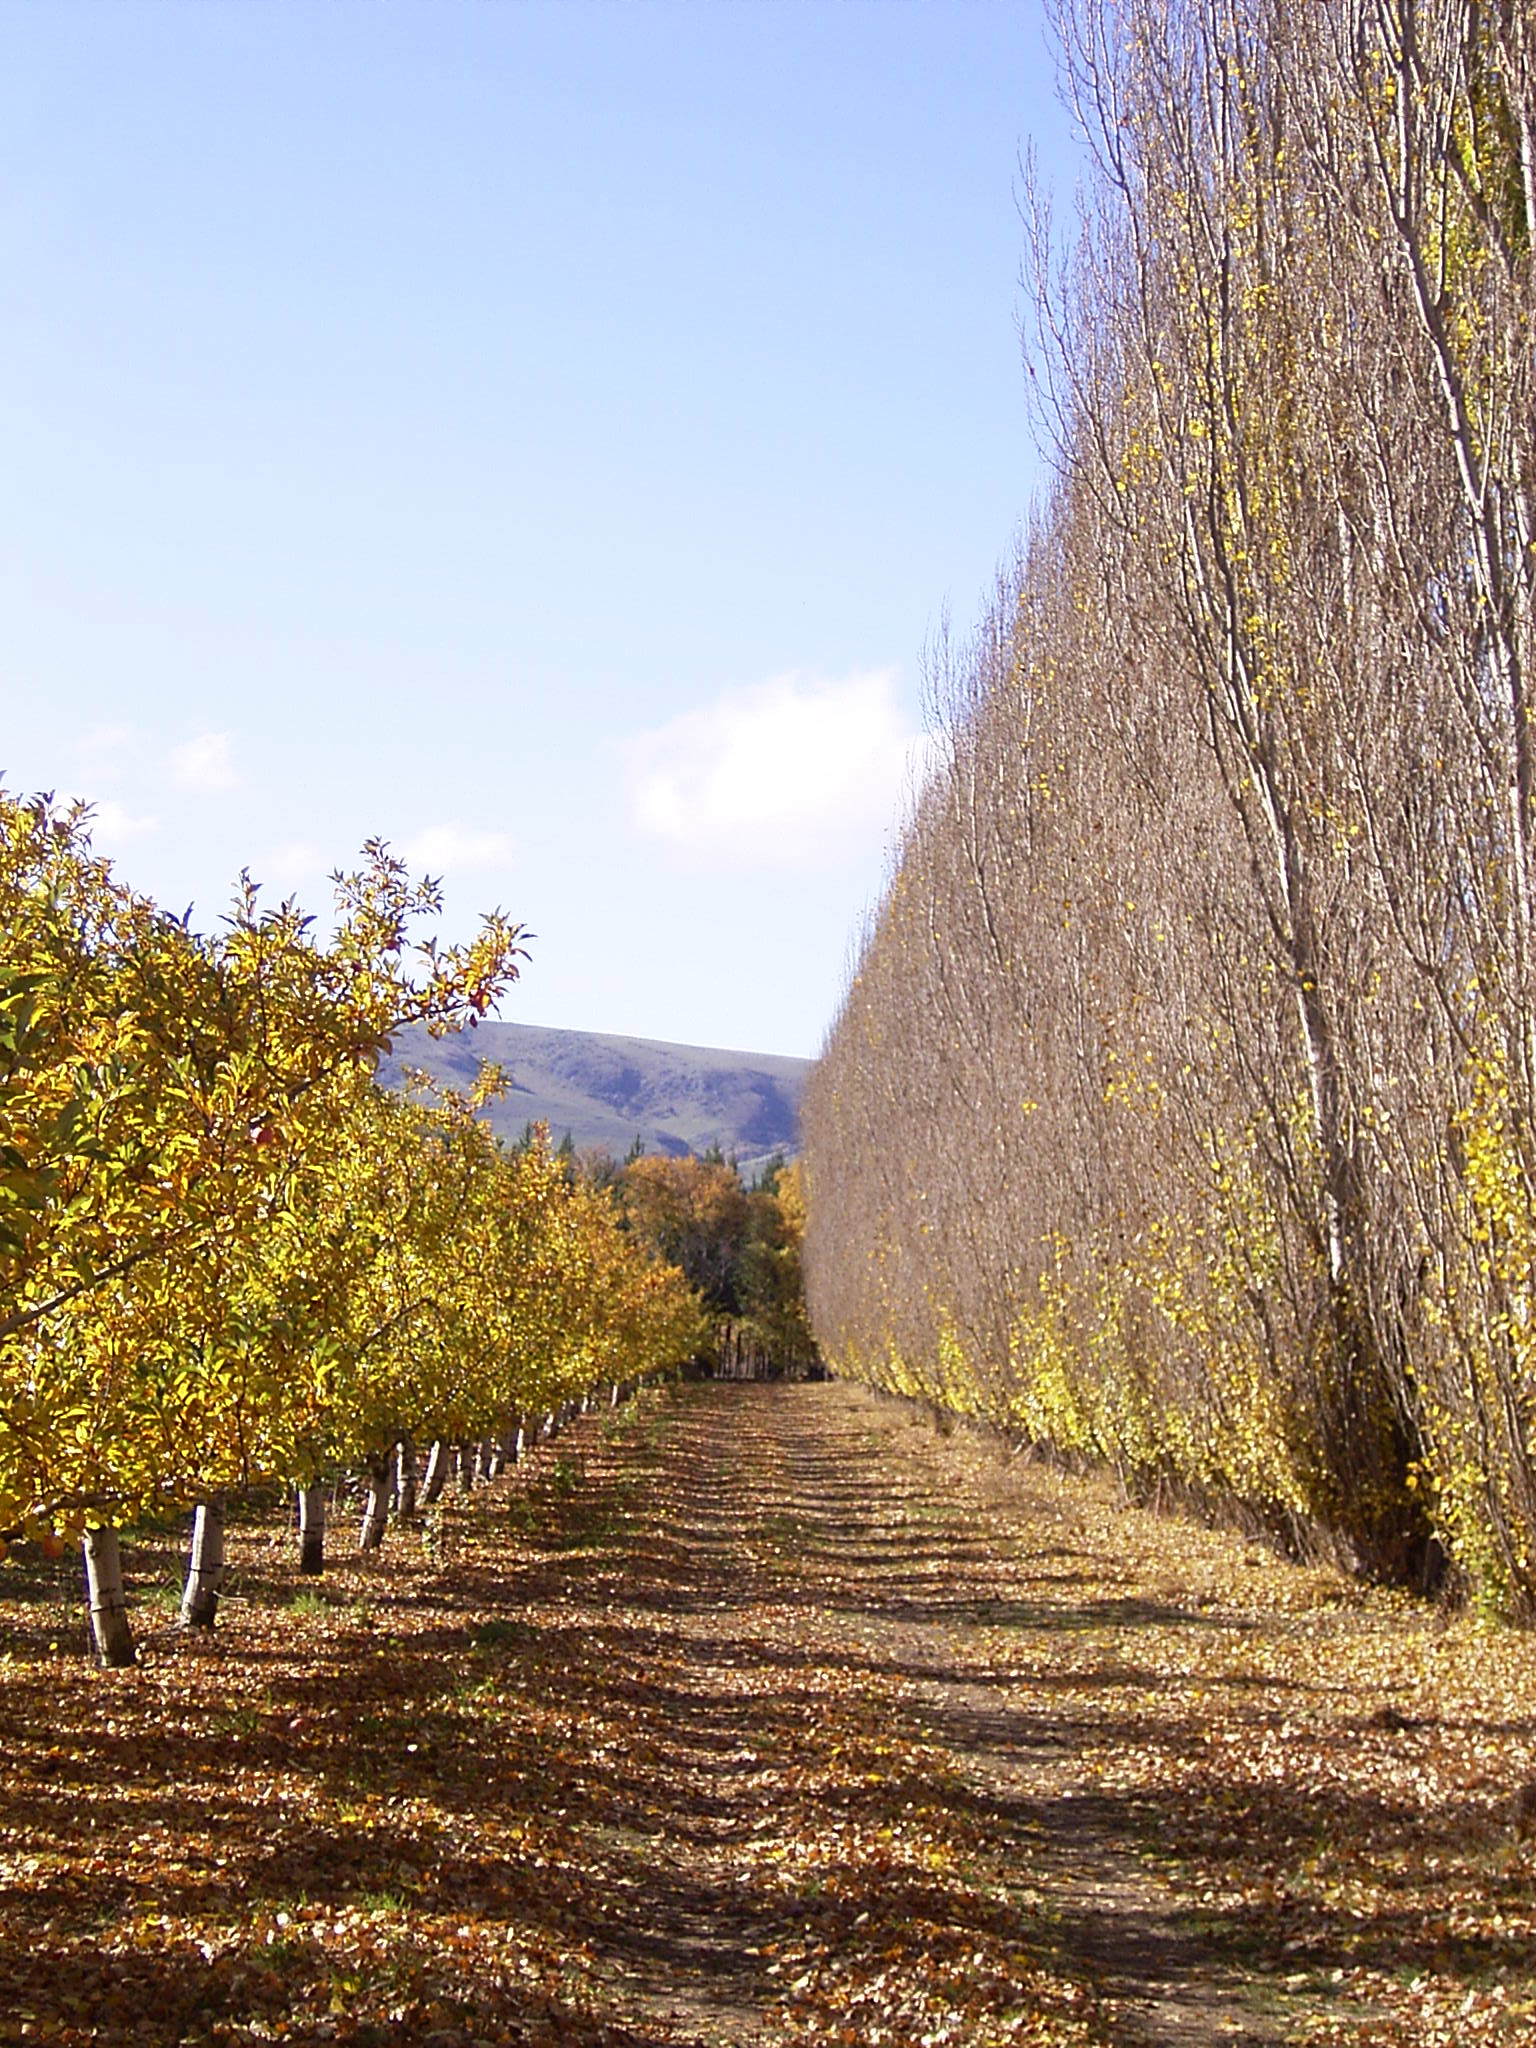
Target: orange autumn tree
739	1248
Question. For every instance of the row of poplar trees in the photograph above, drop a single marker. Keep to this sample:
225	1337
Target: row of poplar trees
230	1258
1181	1111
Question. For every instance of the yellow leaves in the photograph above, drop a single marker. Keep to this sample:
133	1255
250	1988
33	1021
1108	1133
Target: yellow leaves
228	1253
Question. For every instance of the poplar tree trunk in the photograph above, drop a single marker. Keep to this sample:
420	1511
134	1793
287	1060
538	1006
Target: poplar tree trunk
205	1567
312	1530
110	1633
437	1472
494	1457
405	1480
376	1508
465	1456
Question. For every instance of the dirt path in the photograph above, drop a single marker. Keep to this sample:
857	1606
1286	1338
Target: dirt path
757	1715
828	1602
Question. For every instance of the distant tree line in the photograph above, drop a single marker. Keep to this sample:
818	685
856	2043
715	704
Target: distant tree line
1181	1111
738	1247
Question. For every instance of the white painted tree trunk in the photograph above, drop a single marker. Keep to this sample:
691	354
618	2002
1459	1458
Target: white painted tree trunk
436	1474
376	1507
312	1530
405	1480
110	1633
205	1567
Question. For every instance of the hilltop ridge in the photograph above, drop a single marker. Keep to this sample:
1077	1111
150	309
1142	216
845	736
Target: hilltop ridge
608	1090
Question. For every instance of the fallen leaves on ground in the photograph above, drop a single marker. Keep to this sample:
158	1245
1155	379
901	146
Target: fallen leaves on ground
760	1714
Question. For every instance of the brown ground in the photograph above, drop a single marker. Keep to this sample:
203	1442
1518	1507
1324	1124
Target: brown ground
766	1715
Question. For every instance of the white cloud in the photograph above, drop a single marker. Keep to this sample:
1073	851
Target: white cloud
456	849
106	739
789	773
112	823
203	764
292	865
102	750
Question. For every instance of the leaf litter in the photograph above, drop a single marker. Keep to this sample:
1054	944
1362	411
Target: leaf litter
765	1715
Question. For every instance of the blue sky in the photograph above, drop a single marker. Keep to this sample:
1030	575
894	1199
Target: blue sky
542	436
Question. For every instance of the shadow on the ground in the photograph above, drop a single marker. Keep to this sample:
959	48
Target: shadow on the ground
771	1720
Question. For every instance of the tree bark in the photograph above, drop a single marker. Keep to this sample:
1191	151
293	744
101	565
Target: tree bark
110	1633
205	1567
312	1530
376	1508
464	1457
405	1480
436	1474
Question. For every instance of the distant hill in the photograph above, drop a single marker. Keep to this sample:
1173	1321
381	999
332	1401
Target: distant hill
609	1091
